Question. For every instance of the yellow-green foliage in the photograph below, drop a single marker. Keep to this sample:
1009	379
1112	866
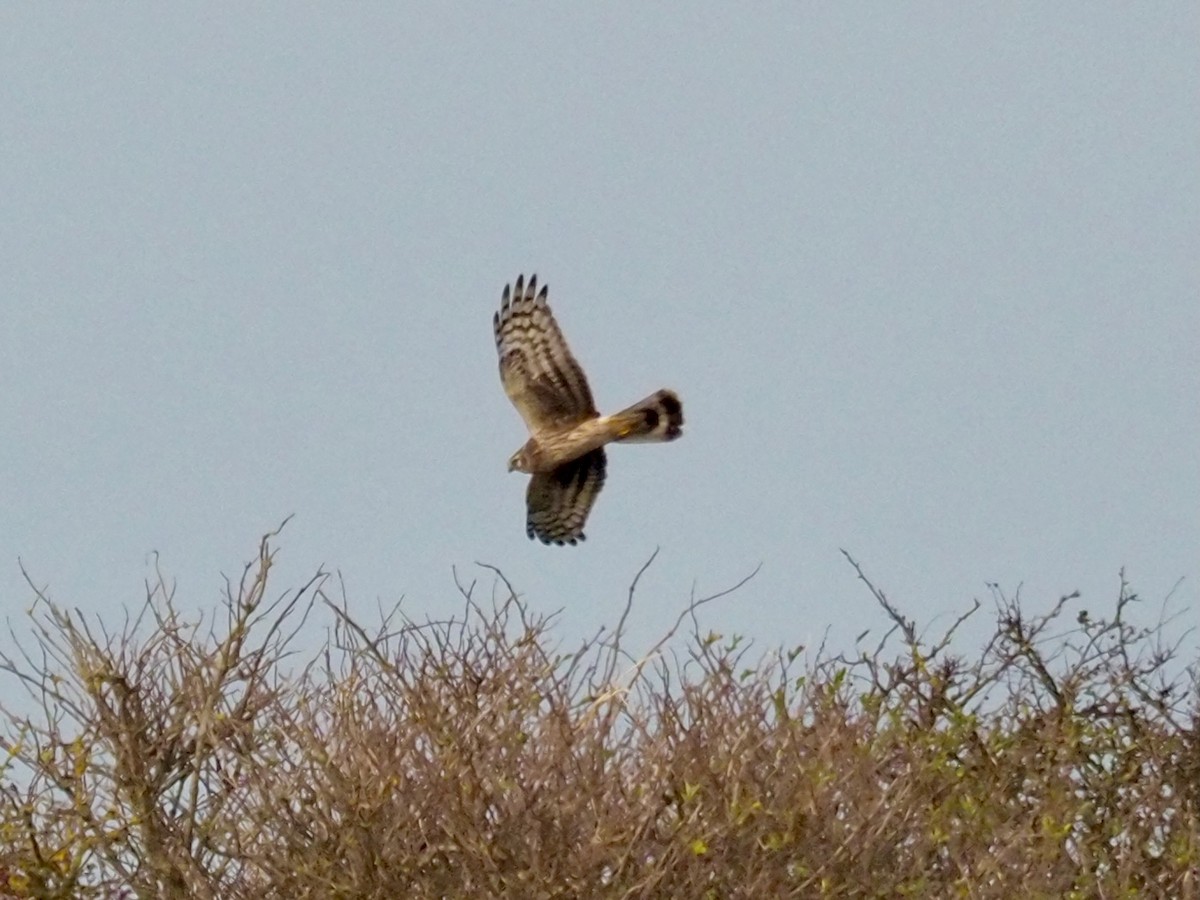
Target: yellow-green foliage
472	759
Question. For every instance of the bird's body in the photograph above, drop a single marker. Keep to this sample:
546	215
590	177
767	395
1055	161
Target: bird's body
546	452
650	420
564	453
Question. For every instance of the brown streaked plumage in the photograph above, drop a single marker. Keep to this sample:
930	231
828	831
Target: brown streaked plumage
564	453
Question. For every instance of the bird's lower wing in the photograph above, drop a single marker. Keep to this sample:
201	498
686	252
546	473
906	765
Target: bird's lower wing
558	502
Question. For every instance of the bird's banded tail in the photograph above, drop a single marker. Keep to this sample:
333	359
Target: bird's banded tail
657	418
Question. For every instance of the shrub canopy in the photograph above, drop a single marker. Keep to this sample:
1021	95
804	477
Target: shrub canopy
474	758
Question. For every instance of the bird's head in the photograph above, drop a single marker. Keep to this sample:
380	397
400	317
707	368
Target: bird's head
519	461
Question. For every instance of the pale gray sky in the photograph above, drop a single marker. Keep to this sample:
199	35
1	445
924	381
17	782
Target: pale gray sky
924	275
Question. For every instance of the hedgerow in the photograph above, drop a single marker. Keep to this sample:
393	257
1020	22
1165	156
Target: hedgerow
176	756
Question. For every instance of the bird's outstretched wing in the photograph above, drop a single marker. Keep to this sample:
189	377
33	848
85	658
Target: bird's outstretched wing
558	502
539	373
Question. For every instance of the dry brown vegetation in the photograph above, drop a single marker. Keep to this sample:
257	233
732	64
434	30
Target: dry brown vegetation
472	758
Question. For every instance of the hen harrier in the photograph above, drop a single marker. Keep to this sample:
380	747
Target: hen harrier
565	451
